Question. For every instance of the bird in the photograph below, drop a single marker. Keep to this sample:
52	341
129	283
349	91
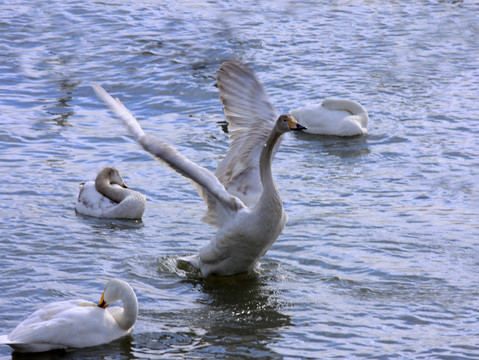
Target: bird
109	197
77	323
340	117
242	199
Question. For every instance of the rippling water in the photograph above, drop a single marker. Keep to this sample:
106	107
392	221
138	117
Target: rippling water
380	256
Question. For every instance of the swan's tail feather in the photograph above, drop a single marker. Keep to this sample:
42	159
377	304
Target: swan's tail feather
120	110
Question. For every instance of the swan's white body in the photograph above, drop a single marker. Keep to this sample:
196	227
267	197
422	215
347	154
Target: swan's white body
339	117
244	232
108	197
77	323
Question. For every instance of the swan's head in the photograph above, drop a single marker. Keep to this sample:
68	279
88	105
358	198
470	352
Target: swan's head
115	290
112	176
287	122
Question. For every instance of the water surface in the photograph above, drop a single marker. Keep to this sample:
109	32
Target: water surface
380	256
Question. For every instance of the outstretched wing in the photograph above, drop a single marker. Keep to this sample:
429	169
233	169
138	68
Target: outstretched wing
251	117
218	200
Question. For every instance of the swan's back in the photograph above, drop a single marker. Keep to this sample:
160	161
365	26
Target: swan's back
320	120
66	324
61	325
340	117
90	202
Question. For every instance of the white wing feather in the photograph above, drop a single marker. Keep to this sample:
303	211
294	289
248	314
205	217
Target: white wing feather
120	110
250	116
208	185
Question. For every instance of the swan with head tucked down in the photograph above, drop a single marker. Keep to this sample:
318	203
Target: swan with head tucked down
109	197
339	117
245	232
77	323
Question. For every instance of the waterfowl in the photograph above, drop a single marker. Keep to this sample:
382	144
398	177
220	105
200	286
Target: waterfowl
244	232
109	197
339	117
77	323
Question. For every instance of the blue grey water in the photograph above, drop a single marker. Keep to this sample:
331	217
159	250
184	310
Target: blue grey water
380	255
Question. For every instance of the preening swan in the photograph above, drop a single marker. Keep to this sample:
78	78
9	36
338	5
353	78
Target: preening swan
244	232
109	197
77	323
339	117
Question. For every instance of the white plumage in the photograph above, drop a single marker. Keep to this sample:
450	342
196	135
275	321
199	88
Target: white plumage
339	117
245	232
77	323
109	197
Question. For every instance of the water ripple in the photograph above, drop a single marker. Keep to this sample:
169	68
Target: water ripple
379	254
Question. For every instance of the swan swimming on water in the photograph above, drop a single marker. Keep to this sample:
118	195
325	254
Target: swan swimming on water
109	197
339	117
245	232
77	323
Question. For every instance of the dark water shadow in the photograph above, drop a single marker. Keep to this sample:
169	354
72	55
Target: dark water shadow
219	316
239	315
343	147
110	224
119	349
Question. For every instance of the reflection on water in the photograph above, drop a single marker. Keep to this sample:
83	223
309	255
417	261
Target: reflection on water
112	225
239	315
345	148
62	110
246	300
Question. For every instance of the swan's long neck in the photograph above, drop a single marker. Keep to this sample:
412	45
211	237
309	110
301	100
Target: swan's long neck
127	318
270	192
114	193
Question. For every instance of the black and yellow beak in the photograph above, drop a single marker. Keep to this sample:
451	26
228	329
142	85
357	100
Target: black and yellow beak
103	304
294	125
